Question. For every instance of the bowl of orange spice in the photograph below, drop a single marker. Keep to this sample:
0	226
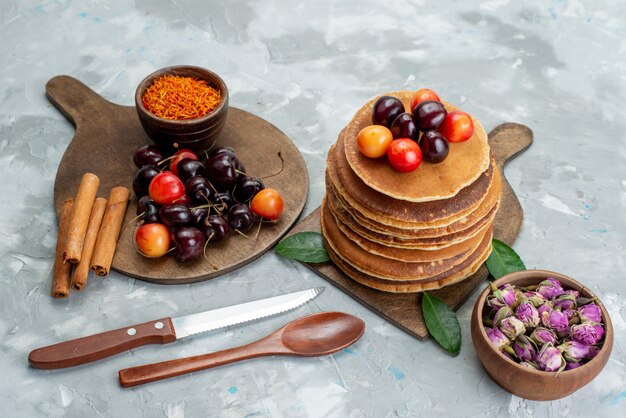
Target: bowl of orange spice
182	106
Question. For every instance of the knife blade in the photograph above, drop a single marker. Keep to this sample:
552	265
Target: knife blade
161	331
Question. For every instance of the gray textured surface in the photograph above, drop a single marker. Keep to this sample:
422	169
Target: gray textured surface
556	66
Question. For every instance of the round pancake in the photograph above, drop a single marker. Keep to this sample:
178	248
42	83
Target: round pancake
401	214
404	254
404	287
491	200
428	244
387	269
464	164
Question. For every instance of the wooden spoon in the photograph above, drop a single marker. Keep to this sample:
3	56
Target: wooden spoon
314	335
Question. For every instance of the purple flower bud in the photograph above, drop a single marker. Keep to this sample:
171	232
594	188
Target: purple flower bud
550	288
573	292
574	351
572	365
556	320
590	313
497	338
529	365
512	327
528	314
524	348
570	313
593	351
587	333
504	296
550	359
535	298
502	313
546	307
543	336
565	301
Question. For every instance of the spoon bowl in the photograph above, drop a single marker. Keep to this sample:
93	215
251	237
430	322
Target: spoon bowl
314	335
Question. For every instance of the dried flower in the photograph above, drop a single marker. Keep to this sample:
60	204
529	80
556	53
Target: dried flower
590	313
546	307
528	314
556	320
550	359
572	365
524	348
535	298
504	296
574	351
529	365
497	338
542	336
587	333
512	327
573	292
565	301
550	288
502	313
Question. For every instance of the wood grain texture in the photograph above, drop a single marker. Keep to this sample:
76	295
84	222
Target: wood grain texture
106	137
404	310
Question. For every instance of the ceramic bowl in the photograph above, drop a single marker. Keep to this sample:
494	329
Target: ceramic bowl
529	383
196	134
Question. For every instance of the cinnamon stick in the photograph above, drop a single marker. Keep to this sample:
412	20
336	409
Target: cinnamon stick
110	231
79	219
61	271
95	220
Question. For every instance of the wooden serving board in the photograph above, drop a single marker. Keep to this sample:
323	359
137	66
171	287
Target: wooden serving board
108	134
404	309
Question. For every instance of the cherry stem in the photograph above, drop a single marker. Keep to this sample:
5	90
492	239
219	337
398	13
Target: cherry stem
134	219
206	243
282	167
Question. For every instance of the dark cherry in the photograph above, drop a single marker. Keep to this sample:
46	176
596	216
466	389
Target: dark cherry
199	215
147	155
240	170
199	189
247	187
240	217
429	115
404	127
385	110
434	147
188	168
142	202
215	228
222	201
151	215
189	243
142	179
175	215
221	170
228	151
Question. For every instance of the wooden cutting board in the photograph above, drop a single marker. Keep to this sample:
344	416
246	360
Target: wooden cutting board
106	137
404	309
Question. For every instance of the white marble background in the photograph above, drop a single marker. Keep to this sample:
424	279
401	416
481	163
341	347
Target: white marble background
557	66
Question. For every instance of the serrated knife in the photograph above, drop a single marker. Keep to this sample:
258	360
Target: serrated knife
161	331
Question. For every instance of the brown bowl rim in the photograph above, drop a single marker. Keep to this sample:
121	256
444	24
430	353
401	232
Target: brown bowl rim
544	274
147	81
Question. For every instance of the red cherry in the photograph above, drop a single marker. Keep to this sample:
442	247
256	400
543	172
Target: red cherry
457	126
423	95
165	188
153	240
404	155
267	203
179	155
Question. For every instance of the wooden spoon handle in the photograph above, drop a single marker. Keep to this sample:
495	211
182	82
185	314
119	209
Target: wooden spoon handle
139	375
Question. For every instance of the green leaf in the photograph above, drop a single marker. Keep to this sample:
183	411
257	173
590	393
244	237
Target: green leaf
503	260
303	246
441	322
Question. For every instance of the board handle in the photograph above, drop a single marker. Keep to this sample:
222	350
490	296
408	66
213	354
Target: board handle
508	140
99	346
74	99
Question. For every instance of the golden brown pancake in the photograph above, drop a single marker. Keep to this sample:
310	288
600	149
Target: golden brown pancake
405	287
386	268
434	243
466	161
488	203
398	213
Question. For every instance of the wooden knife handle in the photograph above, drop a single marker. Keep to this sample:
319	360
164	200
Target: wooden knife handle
99	346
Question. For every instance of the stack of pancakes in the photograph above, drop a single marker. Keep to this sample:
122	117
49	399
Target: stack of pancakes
409	232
